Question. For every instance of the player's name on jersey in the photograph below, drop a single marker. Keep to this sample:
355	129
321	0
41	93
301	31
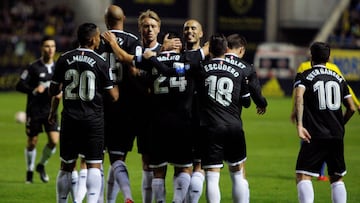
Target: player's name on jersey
236	63
323	71
169	58
219	66
82	58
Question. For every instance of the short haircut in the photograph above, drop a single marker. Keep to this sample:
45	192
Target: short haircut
148	14
236	41
85	32
218	45
320	52
46	38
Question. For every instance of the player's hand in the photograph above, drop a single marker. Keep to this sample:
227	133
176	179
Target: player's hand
39	89
109	37
303	134
260	110
170	44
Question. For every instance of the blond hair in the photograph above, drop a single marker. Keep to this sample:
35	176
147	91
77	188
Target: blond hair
148	14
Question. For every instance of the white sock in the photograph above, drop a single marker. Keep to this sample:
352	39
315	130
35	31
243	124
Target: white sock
212	186
63	186
112	187
305	191
196	187
338	192
30	157
74	184
101	195
81	186
46	154
240	188
122	178
181	186
93	185
158	186
147	194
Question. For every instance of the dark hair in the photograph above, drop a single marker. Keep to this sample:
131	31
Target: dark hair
236	41
46	38
218	45
320	52
85	32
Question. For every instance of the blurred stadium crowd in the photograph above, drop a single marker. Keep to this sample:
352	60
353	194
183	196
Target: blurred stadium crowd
347	33
24	22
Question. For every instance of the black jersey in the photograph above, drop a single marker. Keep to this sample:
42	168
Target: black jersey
121	71
223	87
172	93
325	91
251	77
84	75
38	104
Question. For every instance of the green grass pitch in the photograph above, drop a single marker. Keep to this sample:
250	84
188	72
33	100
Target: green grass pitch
272	149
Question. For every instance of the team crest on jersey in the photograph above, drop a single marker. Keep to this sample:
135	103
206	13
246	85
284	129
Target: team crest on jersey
241	6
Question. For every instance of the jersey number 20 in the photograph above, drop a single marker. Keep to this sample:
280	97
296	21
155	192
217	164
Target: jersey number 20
85	82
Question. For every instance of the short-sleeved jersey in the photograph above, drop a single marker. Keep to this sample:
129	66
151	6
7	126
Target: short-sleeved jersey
222	88
36	73
250	74
325	91
84	76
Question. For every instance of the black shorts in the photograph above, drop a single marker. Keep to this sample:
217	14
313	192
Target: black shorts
122	126
171	142
312	156
82	137
36	125
222	143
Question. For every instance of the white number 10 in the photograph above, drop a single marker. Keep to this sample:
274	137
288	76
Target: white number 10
329	95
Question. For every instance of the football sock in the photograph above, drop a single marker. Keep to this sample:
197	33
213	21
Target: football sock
240	188
181	185
74	184
63	186
146	182
101	195
30	157
93	185
196	187
122	178
81	185
338	192
158	185
305	191
46	154
112	187
212	186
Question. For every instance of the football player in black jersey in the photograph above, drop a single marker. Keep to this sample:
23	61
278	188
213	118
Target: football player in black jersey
121	117
83	76
319	96
34	81
222	90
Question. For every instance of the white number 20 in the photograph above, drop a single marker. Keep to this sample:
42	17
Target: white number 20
85	82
